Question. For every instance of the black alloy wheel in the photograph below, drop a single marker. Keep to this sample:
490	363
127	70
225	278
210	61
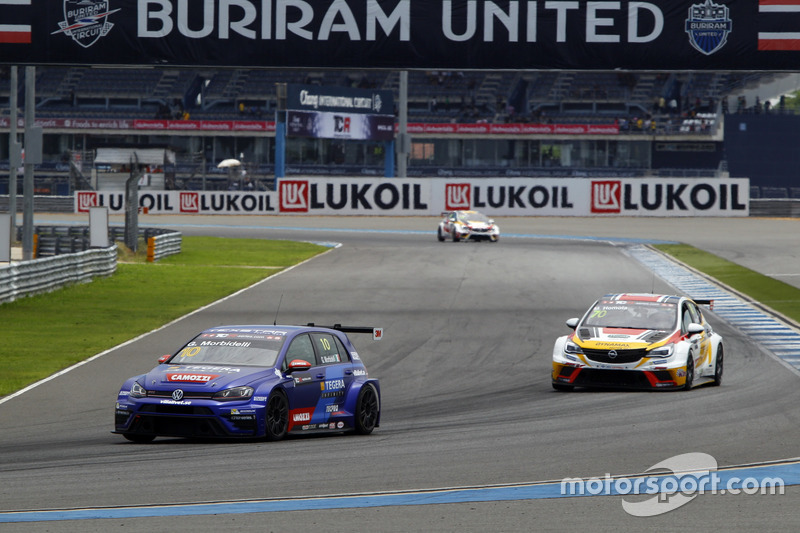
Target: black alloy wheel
718	367
277	416
367	410
689	373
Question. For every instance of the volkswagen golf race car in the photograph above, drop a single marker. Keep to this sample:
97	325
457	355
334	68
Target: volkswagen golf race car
639	341
465	225
253	381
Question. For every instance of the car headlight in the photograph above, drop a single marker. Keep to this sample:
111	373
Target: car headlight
137	391
571	347
236	393
663	351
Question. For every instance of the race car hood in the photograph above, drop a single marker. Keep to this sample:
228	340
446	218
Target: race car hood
477	224
210	378
618	338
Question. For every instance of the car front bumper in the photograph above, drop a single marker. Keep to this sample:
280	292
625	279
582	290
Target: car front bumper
200	419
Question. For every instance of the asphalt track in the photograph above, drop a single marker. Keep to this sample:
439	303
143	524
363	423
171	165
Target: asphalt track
472	435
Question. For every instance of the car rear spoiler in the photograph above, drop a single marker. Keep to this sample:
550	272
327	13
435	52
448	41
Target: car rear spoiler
705	301
377	333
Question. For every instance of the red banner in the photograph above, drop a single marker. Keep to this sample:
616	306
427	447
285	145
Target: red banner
263	126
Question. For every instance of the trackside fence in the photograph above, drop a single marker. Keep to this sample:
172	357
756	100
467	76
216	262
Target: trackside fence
163	244
25	278
57	240
63	257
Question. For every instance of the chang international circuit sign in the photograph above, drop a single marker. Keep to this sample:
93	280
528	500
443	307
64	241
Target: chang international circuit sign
405	34
323	112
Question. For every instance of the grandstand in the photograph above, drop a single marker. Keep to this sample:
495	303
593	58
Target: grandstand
679	107
458	95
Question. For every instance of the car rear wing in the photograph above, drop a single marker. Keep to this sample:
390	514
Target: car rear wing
704	301
377	333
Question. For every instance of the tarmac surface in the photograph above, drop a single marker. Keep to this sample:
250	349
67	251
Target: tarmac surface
770	246
468	410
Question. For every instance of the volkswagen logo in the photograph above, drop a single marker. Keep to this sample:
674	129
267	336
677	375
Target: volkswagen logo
177	394
612	354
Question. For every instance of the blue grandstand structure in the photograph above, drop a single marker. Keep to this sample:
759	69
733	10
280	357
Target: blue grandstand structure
433	96
662	123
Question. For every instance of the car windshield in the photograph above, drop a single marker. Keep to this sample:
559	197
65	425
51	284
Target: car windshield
474	217
228	349
632	314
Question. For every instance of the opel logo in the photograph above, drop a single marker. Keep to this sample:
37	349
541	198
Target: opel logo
612	354
177	395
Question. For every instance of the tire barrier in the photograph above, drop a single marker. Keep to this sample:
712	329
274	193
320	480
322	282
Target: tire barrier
25	278
164	244
57	240
63	257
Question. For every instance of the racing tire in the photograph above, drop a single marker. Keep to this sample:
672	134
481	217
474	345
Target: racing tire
689	373
718	367
139	439
277	416
456	237
440	235
562	388
367	409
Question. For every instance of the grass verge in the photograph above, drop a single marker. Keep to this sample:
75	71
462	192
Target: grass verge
777	295
45	333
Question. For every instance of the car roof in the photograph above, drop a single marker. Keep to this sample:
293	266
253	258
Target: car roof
643	297
261	329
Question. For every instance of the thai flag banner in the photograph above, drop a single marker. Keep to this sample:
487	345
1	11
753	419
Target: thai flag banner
12	31
779	25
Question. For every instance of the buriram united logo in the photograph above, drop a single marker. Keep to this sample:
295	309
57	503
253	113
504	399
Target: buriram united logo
85	21
708	26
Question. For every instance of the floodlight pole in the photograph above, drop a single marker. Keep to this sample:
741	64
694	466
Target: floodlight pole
132	204
30	159
403	141
280	132
14	152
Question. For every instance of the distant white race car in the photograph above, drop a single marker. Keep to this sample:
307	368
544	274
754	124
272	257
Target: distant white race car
465	225
639	341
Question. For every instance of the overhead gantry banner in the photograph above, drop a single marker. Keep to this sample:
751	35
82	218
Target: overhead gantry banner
405	34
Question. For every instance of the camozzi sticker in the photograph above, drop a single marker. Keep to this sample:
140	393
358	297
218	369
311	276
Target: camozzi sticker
85	21
191	378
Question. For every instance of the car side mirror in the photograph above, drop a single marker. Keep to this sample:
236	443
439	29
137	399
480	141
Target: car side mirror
573	322
296	365
163	358
694	328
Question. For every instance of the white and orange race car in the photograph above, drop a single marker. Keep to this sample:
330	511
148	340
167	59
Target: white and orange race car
639	341
467	225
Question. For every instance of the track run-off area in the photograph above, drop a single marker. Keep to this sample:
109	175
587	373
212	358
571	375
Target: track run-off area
472	435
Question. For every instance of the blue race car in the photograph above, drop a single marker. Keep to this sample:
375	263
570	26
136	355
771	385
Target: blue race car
254	382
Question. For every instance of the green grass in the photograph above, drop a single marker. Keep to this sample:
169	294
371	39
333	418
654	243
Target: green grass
780	296
45	333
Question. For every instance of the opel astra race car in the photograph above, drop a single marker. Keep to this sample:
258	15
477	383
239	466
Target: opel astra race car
639	341
253	381
465	225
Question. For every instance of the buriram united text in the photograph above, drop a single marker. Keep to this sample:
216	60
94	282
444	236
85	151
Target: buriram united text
370	20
